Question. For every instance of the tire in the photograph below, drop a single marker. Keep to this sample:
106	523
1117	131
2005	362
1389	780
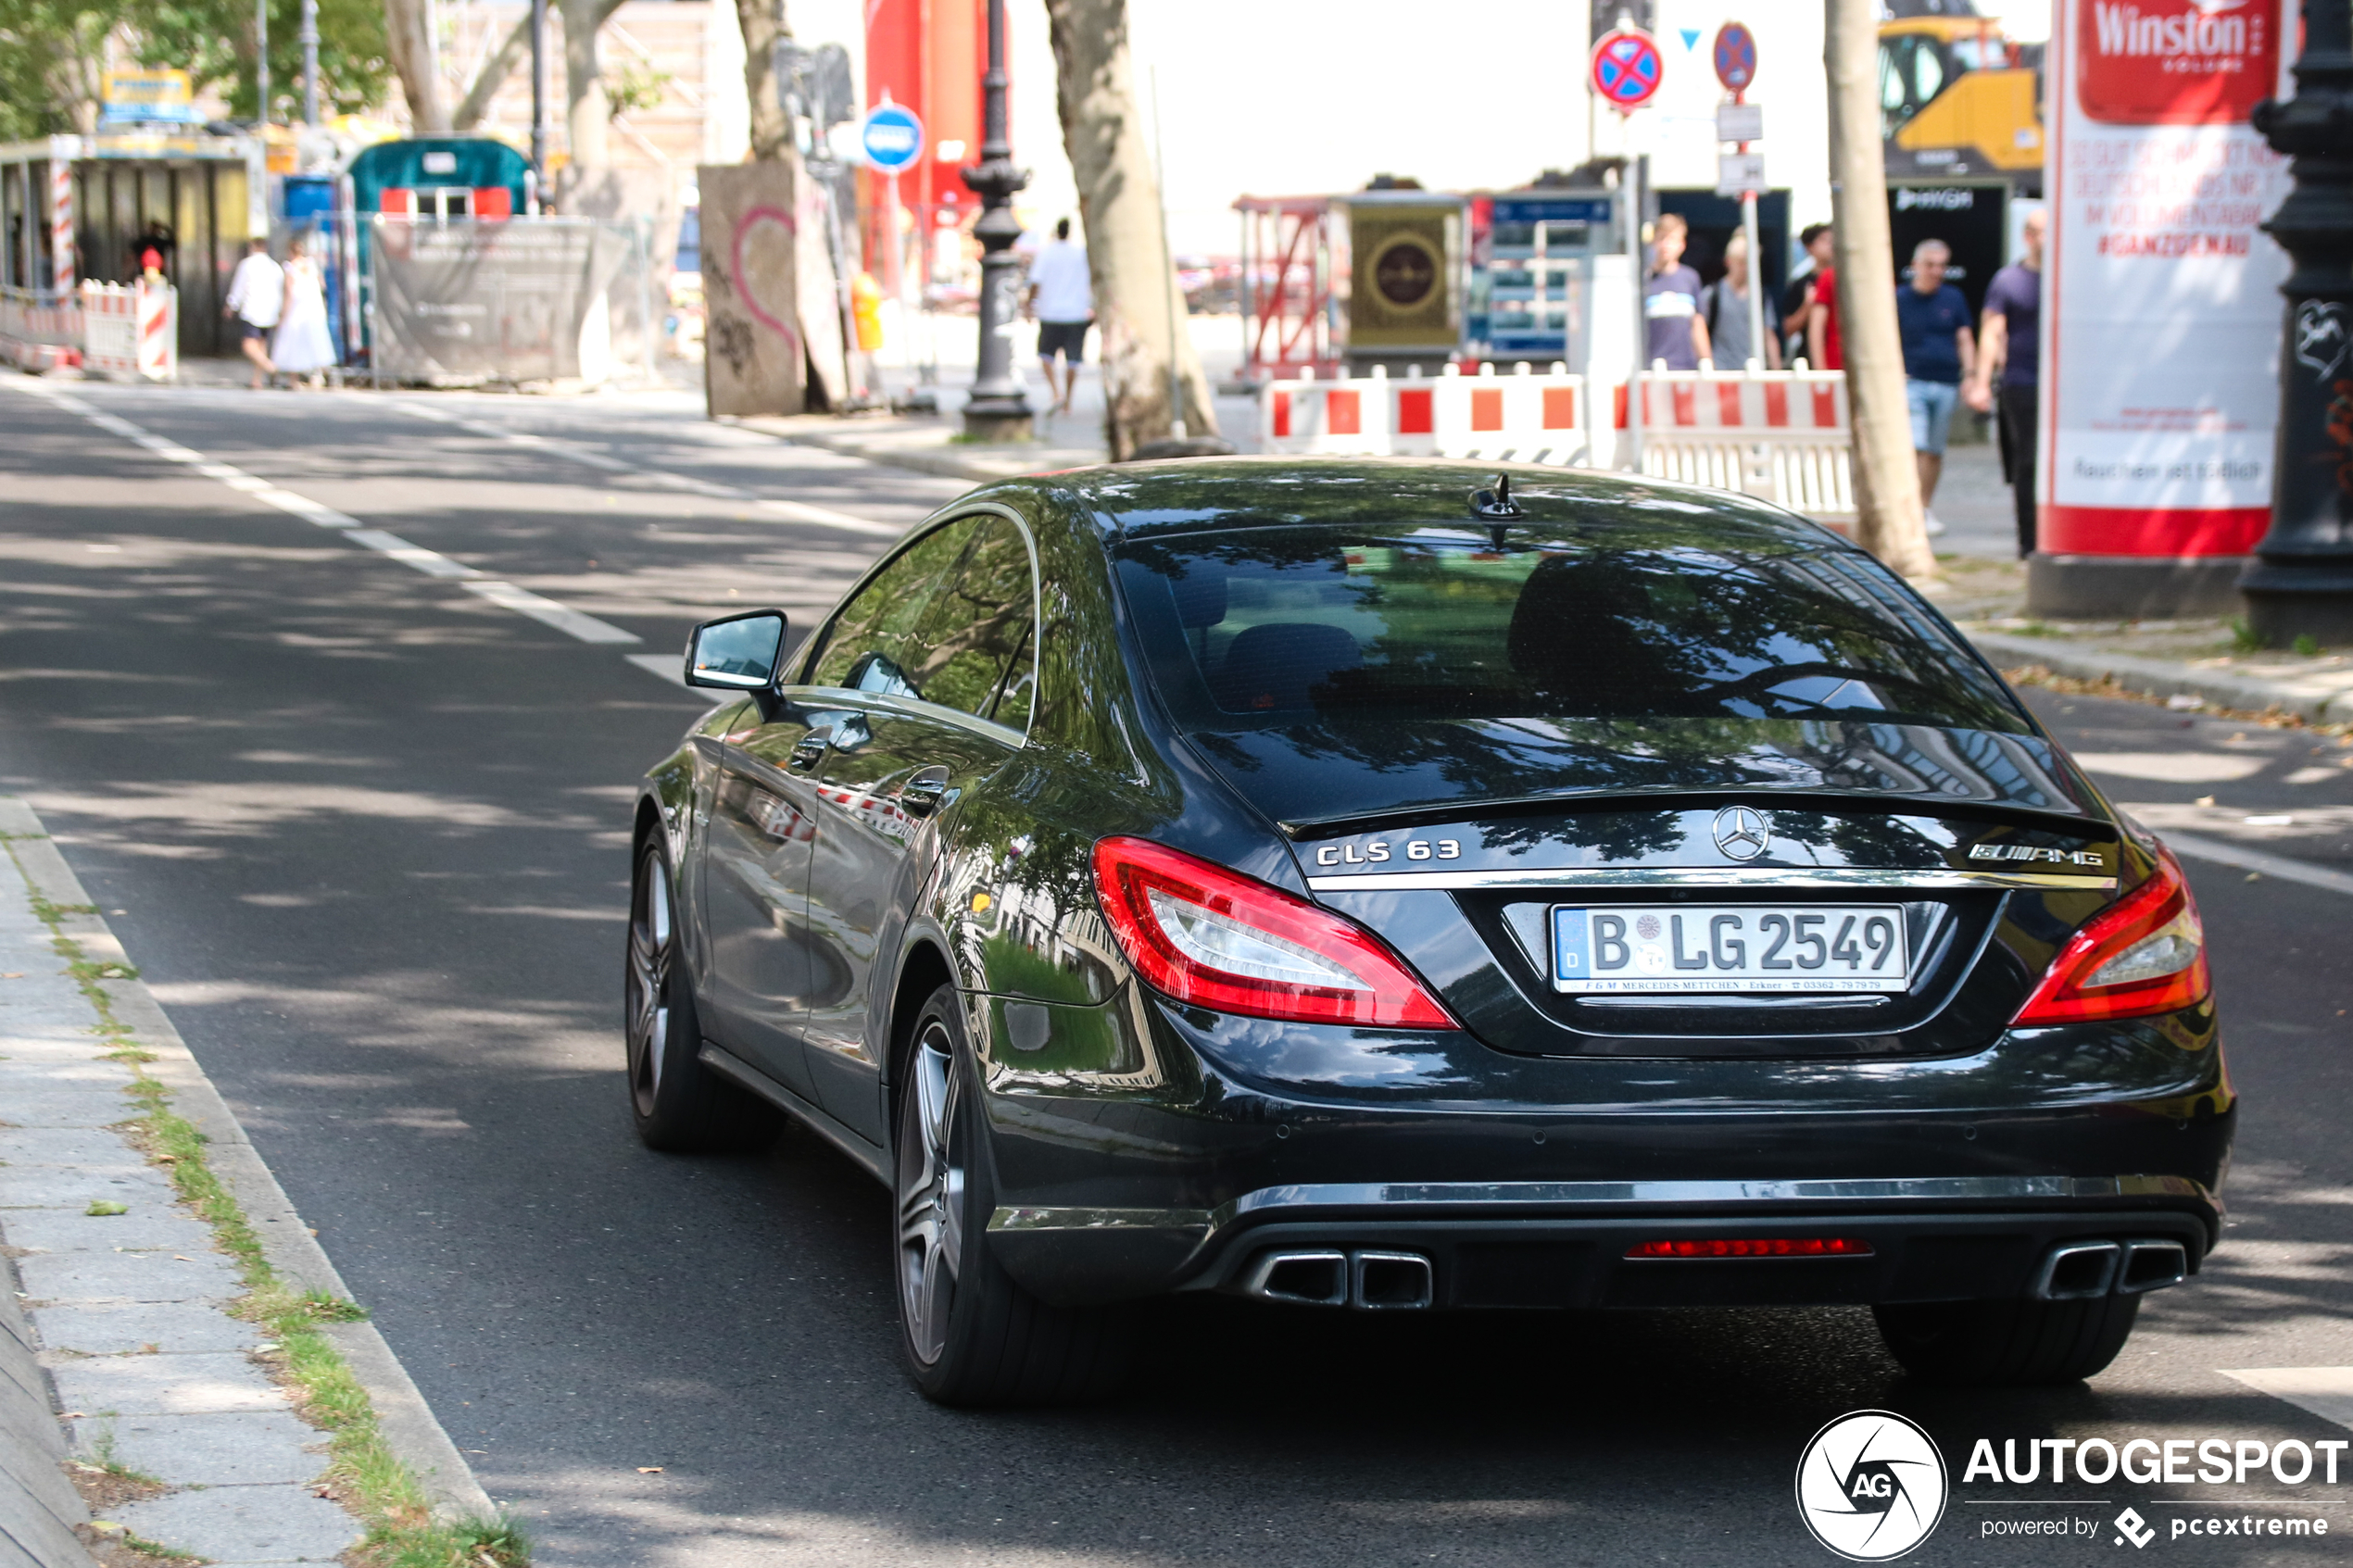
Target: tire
968	1333
2007	1343
680	1106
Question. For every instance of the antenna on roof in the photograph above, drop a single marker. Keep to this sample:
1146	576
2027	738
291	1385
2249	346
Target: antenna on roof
1496	508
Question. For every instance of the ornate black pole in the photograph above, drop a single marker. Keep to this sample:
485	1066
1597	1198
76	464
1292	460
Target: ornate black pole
2302	582
998	408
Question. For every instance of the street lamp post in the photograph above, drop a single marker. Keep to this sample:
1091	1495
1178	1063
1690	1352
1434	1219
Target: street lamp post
2302	582
539	103
998	408
309	38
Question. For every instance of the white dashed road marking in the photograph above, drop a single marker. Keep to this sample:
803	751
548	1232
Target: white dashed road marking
2246	859
433	563
2325	1391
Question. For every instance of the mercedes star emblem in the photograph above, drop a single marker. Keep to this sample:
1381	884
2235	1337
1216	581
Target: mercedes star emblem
1740	833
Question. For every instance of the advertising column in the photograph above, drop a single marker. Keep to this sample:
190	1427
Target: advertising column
2161	319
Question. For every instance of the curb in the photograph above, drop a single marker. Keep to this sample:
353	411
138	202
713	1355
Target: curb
2318	701
407	1424
943	461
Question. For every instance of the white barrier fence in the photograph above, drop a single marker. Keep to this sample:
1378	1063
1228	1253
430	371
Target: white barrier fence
1781	435
130	330
1521	418
40	329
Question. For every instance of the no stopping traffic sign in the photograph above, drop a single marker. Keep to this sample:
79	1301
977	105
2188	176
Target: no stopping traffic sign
1627	67
1736	57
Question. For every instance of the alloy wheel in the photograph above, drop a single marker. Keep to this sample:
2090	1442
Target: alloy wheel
931	1195
648	990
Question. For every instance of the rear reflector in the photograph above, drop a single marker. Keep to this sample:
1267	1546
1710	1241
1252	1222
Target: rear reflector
1756	1247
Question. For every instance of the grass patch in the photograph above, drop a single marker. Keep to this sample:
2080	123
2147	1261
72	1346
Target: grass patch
362	1469
2244	637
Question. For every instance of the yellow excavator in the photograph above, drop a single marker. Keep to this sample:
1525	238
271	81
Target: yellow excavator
1959	98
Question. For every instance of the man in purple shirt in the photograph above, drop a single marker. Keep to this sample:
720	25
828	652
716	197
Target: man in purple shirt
2008	339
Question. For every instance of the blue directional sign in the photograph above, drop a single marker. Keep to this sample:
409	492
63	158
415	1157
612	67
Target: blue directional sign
892	137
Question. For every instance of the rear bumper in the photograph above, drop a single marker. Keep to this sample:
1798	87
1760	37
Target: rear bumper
1563	1243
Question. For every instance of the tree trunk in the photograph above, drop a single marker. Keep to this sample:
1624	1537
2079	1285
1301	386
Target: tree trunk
587	116
1137	298
410	43
509	58
1891	522
764	26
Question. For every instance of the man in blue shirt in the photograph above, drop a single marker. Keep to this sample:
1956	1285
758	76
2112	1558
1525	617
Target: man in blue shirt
1939	352
2011	326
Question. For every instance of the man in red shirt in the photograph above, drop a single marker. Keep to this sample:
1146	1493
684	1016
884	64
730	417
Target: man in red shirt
1822	323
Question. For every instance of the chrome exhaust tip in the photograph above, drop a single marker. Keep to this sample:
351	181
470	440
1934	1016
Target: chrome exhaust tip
2077	1270
2152	1265
1388	1282
1304	1279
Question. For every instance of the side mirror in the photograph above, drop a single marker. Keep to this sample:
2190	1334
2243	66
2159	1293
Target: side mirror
736	653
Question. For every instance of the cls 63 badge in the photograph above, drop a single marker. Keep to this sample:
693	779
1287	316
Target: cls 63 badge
1379	852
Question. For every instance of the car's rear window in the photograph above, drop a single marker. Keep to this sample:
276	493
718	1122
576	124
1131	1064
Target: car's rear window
1317	624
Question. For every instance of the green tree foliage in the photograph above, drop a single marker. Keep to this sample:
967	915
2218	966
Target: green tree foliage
53	54
213	39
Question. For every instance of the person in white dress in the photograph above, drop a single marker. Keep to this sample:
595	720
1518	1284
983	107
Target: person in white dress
303	346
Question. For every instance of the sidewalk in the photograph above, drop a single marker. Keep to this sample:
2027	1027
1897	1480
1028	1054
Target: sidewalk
2190	664
183	1418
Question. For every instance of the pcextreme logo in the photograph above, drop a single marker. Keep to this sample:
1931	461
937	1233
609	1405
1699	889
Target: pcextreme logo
1871	1486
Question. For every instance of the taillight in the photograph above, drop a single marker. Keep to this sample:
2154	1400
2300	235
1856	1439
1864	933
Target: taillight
2145	954
1216	938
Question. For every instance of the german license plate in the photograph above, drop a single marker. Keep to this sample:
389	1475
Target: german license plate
1783	948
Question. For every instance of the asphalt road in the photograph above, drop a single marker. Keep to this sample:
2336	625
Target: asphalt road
365	832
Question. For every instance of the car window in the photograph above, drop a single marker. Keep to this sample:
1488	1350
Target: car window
978	630
865	646
1325	625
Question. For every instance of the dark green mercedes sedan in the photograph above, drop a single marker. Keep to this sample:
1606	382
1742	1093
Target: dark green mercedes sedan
1401	886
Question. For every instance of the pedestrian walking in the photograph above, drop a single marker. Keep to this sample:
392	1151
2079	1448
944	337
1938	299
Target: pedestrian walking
1670	300
1797	294
303	346
1931	317
257	297
1723	306
1062	298
2009	342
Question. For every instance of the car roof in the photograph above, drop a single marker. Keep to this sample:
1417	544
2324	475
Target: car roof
1199	495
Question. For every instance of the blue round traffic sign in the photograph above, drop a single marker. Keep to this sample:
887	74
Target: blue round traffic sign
1627	67
1736	57
892	137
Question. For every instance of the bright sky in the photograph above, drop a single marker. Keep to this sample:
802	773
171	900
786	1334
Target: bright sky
1289	96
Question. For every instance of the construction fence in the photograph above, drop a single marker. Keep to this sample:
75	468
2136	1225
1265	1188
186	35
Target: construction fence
455	302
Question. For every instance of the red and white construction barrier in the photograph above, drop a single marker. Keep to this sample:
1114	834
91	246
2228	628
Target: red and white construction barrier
1520	418
40	330
1782	435
130	330
1785	436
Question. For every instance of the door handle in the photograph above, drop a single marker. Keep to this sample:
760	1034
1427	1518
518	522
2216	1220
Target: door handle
809	749
924	792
